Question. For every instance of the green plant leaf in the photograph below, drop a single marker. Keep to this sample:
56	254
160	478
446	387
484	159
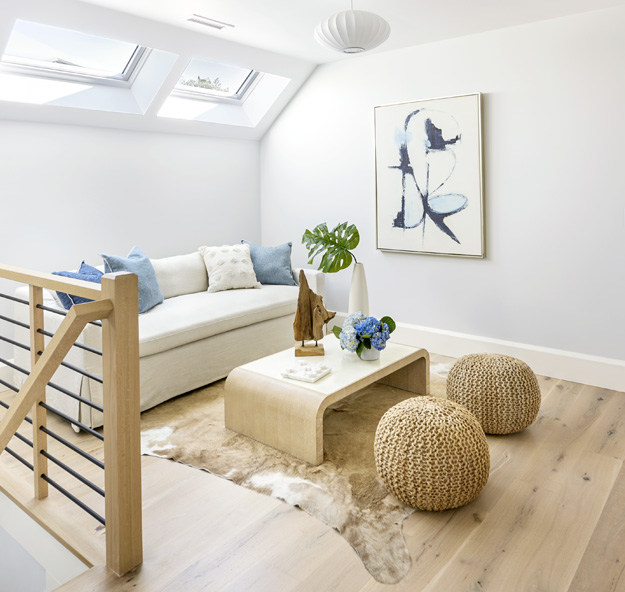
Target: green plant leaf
337	331
361	347
334	245
390	322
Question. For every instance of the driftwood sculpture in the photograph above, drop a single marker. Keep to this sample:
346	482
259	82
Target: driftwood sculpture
310	317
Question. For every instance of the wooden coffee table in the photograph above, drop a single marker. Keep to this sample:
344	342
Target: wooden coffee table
288	414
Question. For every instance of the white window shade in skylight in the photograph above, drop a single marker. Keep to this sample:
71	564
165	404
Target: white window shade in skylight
55	51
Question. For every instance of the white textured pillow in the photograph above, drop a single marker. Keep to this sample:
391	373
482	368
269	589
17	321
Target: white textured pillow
229	267
181	274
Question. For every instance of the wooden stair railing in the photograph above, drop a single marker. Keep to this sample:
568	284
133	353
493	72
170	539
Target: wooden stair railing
115	303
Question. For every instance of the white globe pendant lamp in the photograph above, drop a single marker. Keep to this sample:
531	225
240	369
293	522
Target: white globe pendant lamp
352	31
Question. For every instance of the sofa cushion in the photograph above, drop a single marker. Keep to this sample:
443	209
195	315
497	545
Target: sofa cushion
138	263
86	273
229	267
272	265
192	317
181	274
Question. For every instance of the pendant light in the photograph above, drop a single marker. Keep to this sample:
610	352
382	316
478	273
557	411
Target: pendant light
352	31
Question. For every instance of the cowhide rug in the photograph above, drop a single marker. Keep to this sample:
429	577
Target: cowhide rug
344	492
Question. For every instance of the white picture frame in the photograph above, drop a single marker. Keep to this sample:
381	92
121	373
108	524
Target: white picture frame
428	159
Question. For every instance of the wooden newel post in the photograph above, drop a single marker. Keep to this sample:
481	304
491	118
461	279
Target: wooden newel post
122	442
40	440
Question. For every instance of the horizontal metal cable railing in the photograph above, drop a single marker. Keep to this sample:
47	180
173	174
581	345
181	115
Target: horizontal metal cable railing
19	437
62	465
42	307
56	386
58	462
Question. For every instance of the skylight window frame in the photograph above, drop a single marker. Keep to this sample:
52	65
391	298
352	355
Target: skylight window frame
207	95
31	67
34	67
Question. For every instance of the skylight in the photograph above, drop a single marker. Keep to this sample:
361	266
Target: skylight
46	67
51	51
210	80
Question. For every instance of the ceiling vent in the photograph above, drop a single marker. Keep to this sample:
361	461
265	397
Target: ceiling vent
208	22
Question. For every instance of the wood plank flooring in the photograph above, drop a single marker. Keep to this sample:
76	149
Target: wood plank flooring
551	518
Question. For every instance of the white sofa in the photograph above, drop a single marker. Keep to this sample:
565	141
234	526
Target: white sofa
190	340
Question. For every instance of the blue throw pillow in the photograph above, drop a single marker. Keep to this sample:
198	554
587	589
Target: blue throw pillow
138	263
86	273
272	265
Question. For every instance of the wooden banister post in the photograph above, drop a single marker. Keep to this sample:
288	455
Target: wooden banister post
122	442
40	440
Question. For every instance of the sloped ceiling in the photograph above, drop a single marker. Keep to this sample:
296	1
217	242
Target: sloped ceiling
272	36
182	43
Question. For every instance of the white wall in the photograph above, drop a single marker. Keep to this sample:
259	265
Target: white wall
32	560
68	193
554	122
19	570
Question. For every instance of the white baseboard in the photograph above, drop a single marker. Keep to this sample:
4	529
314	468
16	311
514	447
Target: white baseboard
592	370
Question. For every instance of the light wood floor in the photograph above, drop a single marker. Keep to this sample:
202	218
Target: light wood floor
551	518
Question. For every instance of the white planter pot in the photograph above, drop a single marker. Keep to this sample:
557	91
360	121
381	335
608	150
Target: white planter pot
358	294
370	354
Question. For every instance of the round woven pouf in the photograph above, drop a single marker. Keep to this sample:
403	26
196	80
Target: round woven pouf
431	453
501	391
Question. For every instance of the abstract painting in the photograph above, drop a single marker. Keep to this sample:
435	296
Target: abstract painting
429	176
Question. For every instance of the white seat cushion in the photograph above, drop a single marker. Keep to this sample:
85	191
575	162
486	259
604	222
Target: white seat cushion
196	316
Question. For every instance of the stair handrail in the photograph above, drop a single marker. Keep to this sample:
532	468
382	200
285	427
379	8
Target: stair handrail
115	303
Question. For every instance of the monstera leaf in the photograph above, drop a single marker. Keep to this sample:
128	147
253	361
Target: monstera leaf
335	245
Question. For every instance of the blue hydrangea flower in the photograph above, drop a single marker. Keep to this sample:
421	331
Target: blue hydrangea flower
349	338
379	339
368	327
358	328
353	319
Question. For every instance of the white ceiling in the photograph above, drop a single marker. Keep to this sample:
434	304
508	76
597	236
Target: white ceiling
286	26
273	36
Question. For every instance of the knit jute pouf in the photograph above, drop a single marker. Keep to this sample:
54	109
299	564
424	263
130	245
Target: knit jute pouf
431	453
501	391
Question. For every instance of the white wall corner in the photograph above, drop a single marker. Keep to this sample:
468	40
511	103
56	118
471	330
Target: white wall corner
575	367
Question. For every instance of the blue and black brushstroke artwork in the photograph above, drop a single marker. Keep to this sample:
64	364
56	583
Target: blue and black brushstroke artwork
427	160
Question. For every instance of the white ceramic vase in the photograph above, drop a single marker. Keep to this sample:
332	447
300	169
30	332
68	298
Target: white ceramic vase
370	354
358	294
